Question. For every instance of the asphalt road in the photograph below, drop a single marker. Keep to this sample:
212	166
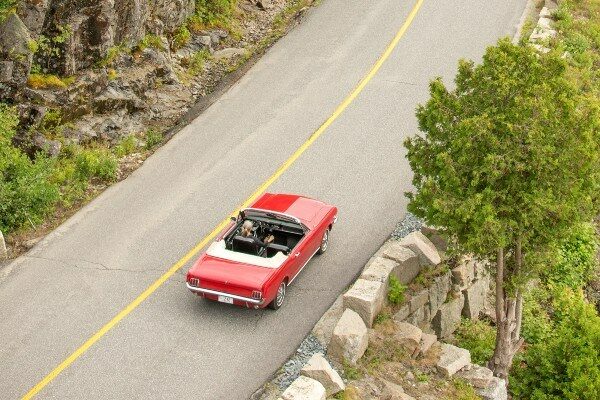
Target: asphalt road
175	344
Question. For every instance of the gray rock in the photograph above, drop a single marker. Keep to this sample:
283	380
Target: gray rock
379	270
304	388
408	336
229	52
6	71
452	359
14	46
3	249
350	338
205	40
50	147
32	13
113	99
427	340
496	390
440	243
320	370
420	317
438	291
366	298
418	300
408	262
264	4
392	391
464	273
475	298
324	327
447	319
420	245
477	376
402	313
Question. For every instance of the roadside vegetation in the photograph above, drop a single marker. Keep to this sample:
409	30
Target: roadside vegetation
509	164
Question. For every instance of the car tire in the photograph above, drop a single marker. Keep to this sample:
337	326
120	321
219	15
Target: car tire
279	297
324	242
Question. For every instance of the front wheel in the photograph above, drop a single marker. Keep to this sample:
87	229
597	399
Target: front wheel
324	242
279	298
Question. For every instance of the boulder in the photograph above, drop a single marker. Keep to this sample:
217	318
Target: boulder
427	340
402	313
496	390
408	336
421	246
464	273
379	270
419	317
32	13
228	53
439	241
447	319
418	300
304	388
320	370
6	71
392	391
475	298
408	262
452	359
477	376
366	298
350	338
14	46
438	291
324	327
3	250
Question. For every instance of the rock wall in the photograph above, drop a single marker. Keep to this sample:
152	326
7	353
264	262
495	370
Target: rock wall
97	25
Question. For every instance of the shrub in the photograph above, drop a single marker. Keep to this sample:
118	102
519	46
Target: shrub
126	146
150	40
153	139
195	63
26	194
212	13
396	290
566	364
575	259
478	337
181	37
96	163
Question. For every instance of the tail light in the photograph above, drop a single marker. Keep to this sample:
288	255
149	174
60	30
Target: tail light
195	282
256	294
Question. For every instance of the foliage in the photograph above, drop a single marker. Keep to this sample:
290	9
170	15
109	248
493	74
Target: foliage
49	48
96	163
6	6
396	290
351	372
382	317
112	53
26	195
153	139
537	324
46	81
181	37
511	153
463	390
574	259
196	62
478	337
211	14
150	40
566	364
126	146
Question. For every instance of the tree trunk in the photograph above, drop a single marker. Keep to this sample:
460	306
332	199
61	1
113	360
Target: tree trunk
508	317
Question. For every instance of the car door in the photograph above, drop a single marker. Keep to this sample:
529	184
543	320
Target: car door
303	252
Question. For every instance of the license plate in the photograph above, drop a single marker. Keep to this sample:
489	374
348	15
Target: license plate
225	299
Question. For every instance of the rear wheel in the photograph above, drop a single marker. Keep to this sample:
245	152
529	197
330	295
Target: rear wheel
324	242
279	297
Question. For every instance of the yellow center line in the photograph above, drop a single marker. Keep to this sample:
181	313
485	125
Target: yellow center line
261	189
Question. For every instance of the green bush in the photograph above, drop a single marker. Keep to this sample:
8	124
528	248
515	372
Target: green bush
212	13
537	324
575	260
153	139
566	364
26	193
96	163
396	290
181	37
126	146
478	337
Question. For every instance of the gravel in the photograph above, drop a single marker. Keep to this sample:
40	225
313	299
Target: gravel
291	369
409	224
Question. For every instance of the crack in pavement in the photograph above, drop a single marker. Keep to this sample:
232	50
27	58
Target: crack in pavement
101	267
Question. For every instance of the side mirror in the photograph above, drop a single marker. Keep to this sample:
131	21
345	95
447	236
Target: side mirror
234	219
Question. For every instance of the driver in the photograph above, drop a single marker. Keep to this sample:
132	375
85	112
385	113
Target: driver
247	232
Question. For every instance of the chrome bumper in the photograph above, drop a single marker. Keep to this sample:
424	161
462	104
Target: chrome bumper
217	293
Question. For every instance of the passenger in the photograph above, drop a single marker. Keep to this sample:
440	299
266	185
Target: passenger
247	232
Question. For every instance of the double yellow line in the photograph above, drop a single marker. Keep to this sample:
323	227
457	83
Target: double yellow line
152	288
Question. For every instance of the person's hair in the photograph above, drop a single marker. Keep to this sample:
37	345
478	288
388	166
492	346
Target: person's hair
247	225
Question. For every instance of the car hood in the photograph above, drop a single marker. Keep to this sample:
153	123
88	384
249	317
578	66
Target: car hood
228	272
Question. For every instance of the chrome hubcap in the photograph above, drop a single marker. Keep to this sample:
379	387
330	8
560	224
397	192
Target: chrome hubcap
280	294
325	241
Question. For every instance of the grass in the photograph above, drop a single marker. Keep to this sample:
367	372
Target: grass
478	337
152	138
195	63
126	146
48	81
396	291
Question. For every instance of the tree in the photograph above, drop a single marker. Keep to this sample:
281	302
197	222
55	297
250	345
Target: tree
509	161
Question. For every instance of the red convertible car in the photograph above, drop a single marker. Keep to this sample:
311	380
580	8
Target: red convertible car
243	268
